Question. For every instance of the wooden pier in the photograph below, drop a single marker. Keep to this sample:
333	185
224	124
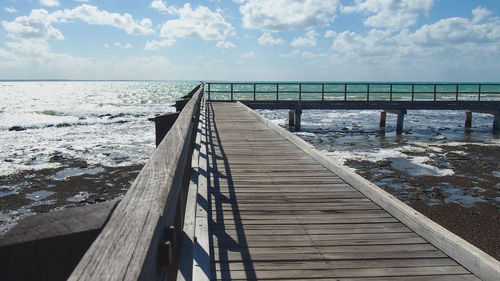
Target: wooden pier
229	195
395	98
278	212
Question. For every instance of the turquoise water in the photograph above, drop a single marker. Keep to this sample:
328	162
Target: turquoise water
353	91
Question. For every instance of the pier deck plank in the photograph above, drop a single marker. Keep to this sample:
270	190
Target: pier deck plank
276	213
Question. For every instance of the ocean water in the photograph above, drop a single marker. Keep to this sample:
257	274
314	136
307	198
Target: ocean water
103	123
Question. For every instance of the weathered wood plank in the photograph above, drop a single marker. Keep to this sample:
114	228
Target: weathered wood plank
201	263
48	246
339	264
230	244
128	247
455	277
186	258
342	273
270	256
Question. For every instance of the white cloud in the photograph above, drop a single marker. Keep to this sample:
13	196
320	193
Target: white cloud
93	16
277	15
159	5
307	55
393	14
376	43
120	45
201	22
10	9
4	54
36	47
310	55
292	54
454	32
83	1
267	39
35	26
248	55
49	3
330	34
155	45
225	45
309	40
64	66
457	38
480	14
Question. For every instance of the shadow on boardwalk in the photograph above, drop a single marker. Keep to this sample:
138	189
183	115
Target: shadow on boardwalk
222	173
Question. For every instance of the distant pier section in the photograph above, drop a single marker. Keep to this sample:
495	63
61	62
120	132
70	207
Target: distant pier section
395	98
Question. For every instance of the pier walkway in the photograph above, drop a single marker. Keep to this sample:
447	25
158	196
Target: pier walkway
229	195
275	212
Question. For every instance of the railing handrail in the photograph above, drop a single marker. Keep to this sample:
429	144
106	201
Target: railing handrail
436	89
138	241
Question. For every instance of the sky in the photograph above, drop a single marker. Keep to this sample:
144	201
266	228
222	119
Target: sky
248	40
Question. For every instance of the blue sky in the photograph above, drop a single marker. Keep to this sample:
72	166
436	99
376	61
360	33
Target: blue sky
329	40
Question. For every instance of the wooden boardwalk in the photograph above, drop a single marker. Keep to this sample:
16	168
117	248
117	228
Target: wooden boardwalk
277	213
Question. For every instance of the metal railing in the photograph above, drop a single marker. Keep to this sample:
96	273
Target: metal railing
336	91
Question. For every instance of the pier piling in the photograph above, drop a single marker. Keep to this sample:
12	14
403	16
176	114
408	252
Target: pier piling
400	122
383	116
291	118
496	122
294	118
468	119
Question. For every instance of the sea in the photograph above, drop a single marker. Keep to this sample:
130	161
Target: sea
105	124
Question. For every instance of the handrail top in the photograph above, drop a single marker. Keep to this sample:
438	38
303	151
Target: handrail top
359	83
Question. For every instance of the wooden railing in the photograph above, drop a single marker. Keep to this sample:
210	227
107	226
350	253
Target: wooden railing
141	240
335	91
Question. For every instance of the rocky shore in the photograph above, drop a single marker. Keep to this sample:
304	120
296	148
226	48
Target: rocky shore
73	183
455	184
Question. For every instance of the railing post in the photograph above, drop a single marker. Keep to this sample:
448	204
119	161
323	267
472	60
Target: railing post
412	92
367	92
435	92
390	93
345	92
209	91
479	93
300	91
277	91
254	92
322	92
456	92
231	91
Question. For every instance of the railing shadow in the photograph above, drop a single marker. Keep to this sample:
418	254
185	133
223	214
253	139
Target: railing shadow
222	173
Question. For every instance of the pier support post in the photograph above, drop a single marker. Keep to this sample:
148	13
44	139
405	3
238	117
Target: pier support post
468	119
294	116
400	122
383	116
163	124
291	118
298	115
496	122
